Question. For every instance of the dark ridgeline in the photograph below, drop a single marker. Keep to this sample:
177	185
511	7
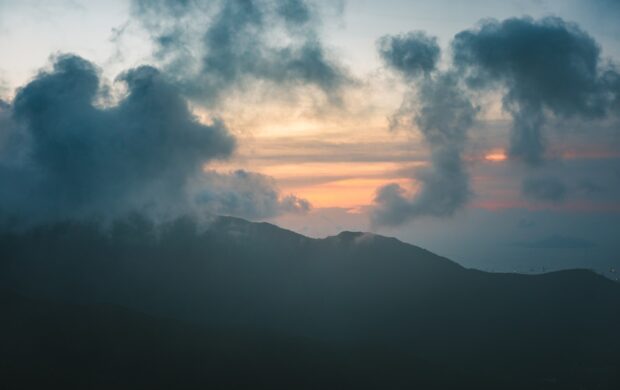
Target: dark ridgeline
234	304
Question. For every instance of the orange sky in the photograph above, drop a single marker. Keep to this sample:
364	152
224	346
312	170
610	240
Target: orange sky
336	160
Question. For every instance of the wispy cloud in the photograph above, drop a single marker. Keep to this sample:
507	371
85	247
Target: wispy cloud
213	48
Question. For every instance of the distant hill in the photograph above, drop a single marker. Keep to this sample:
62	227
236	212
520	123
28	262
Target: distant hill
348	305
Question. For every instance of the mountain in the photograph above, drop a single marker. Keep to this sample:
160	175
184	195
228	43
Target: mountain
47	344
355	304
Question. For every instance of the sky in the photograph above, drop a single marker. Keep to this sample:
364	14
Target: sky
487	131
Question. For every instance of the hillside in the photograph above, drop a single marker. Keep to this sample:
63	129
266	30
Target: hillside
350	296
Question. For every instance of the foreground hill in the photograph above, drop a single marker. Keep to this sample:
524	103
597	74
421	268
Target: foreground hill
52	345
336	305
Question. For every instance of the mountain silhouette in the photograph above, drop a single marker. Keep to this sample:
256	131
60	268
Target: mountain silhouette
214	302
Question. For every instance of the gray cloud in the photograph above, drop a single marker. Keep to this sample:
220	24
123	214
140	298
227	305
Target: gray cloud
5	124
76	158
216	47
12	138
547	189
546	65
444	117
444	114
412	54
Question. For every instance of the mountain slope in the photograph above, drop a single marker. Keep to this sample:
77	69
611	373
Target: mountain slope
47	344
557	330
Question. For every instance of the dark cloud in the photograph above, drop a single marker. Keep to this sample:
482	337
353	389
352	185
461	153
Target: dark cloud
295	12
216	47
444	117
146	153
557	242
12	137
545	65
547	189
83	158
412	54
5	123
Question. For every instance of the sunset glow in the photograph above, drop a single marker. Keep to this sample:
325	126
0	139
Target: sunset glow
496	156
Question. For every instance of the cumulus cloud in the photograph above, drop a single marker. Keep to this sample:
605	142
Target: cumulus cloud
411	54
77	158
546	65
215	47
444	114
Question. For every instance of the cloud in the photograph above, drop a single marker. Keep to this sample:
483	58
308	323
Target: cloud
546	65
557	242
444	113
412	54
217	47
547	189
444	117
5	125
244	194
77	158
